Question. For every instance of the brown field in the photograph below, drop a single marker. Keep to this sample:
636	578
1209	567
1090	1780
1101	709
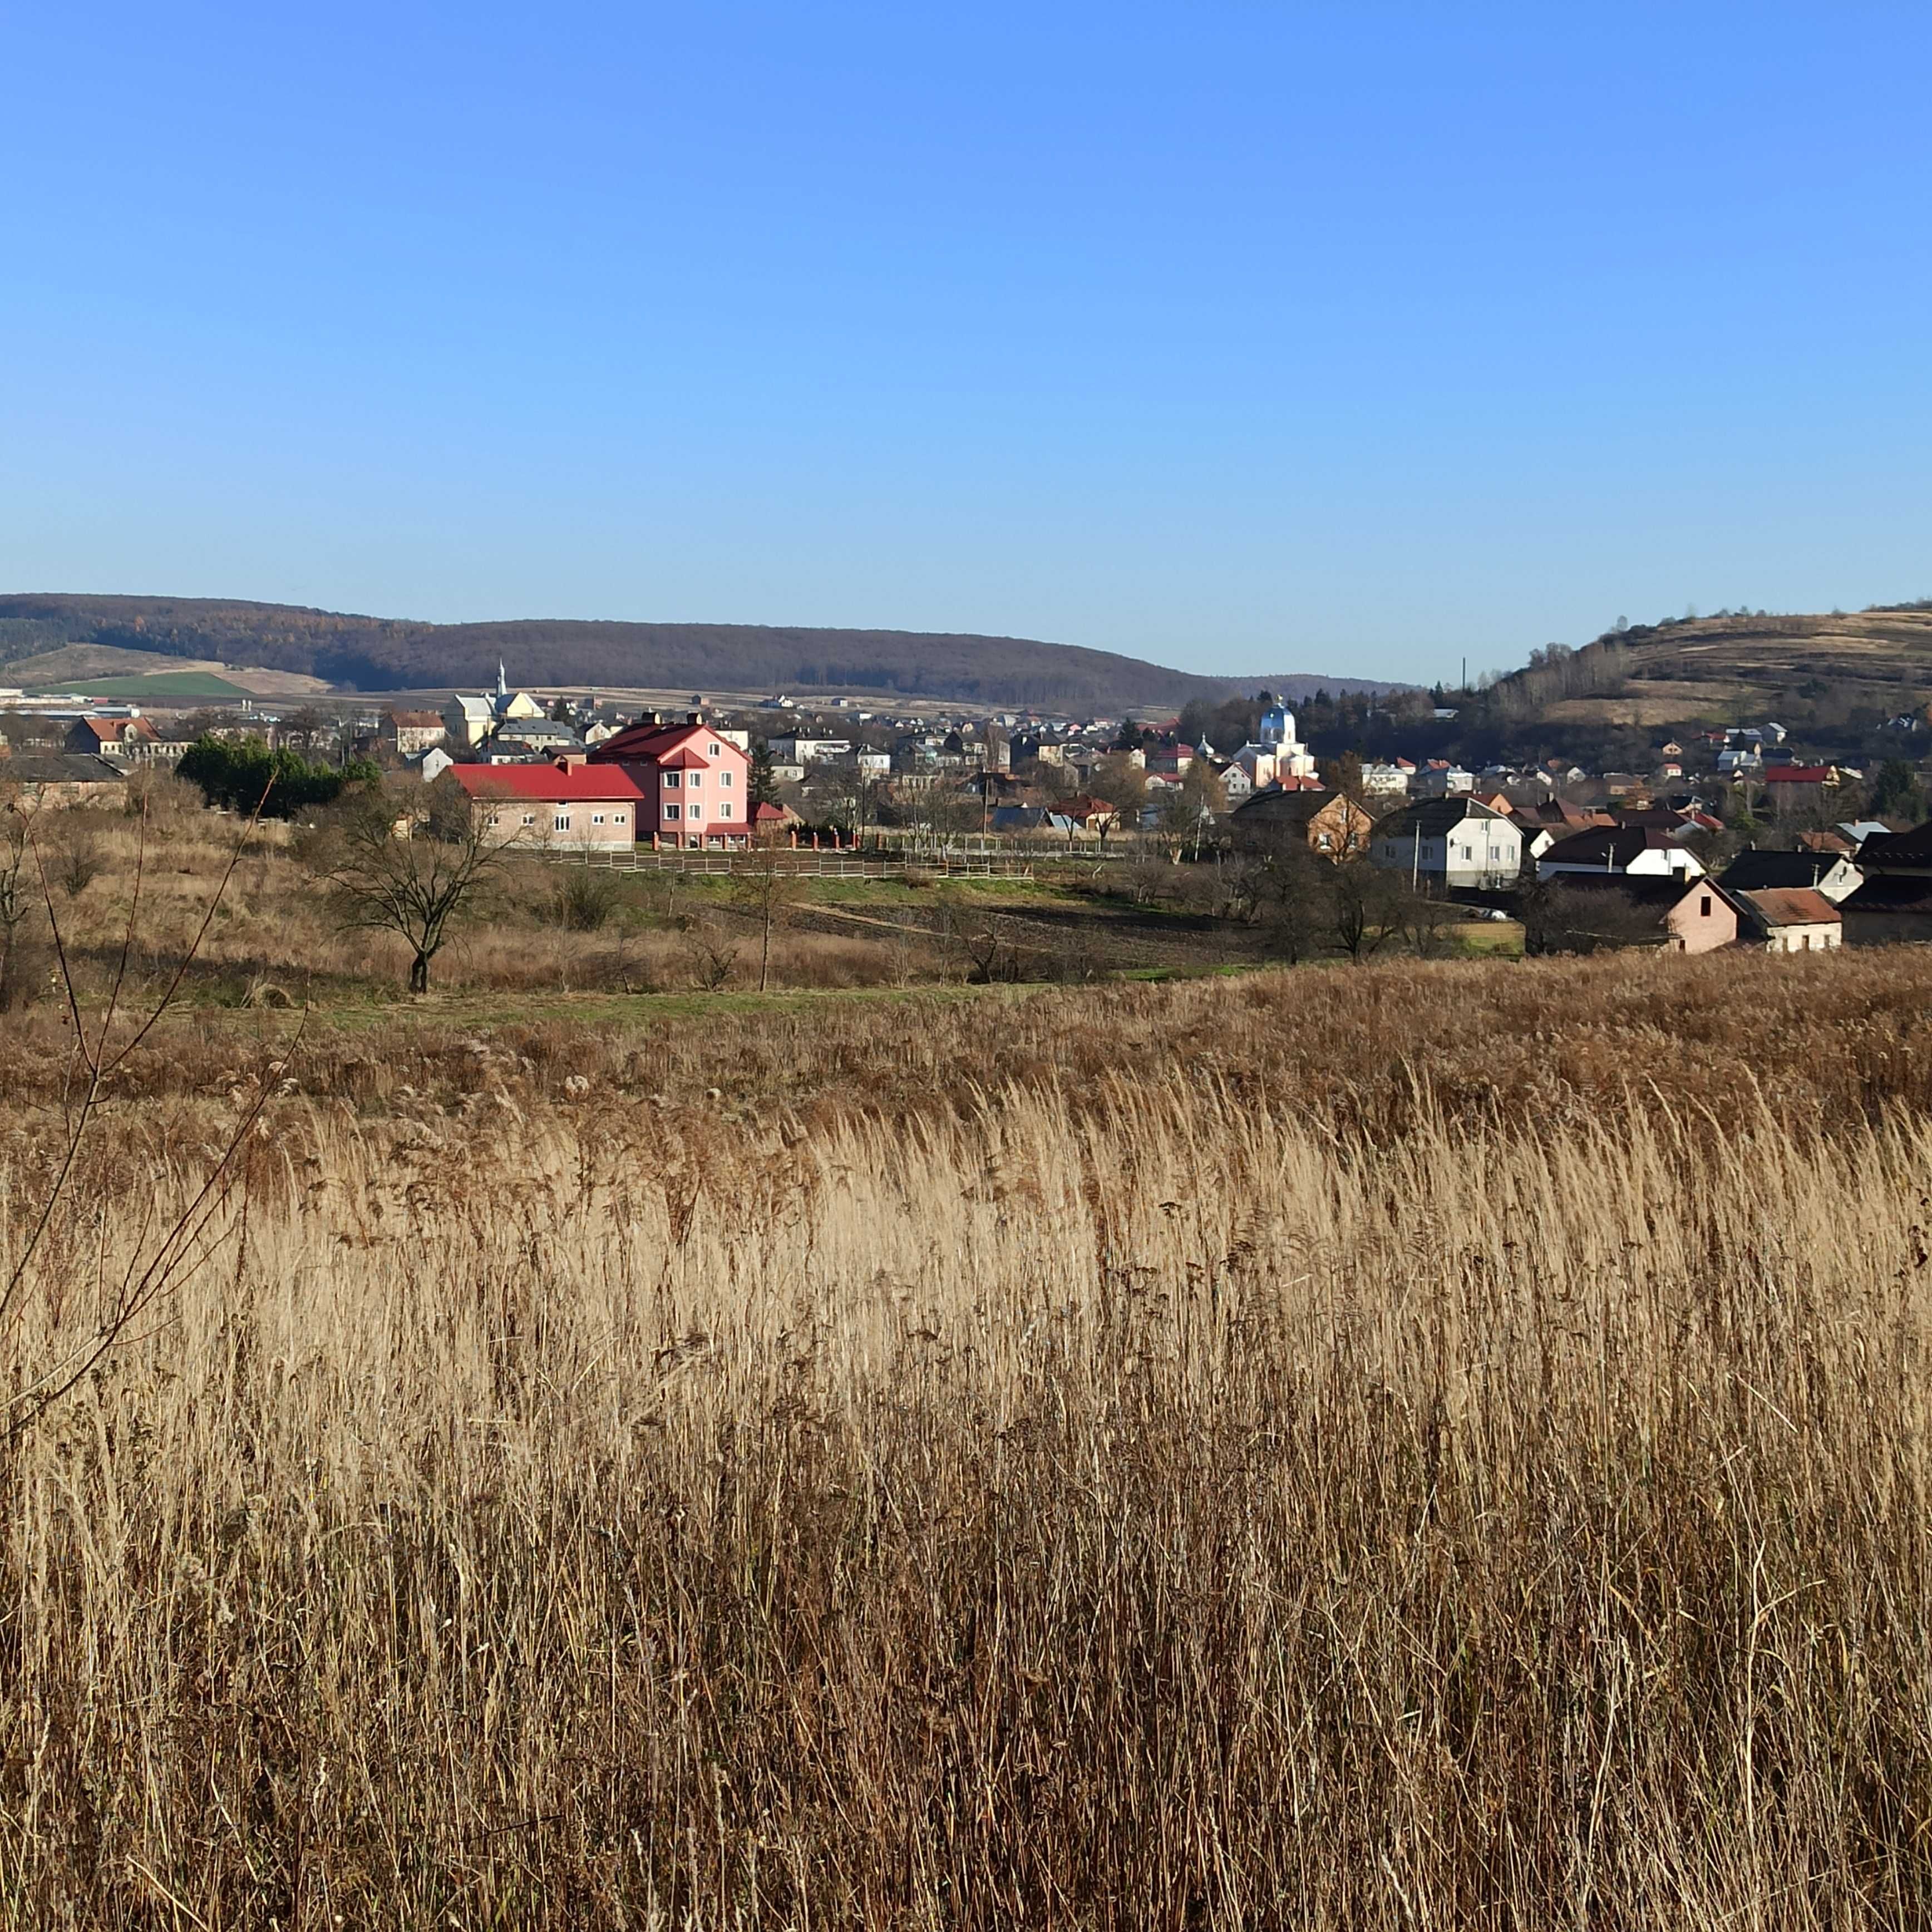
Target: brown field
1425	1443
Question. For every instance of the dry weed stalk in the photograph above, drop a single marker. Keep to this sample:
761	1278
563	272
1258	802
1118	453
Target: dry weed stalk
156	1265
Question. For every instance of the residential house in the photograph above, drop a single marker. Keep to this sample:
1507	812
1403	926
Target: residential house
1890	909
1693	915
802	751
1386	781
1091	814
568	805
1792	919
1439	778
695	783
120	738
62	779
408	734
1830	874
1896	853
1451	842
1855	831
1638	852
1833	841
1331	822
1791	788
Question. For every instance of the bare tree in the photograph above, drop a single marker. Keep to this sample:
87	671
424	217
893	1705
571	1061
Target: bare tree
76	858
765	886
18	901
713	954
1365	907
391	869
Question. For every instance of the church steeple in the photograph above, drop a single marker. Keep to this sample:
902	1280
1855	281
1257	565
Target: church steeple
503	686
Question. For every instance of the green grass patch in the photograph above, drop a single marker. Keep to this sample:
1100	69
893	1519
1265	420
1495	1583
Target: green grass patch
158	684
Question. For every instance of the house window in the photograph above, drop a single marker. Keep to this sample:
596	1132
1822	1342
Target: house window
712	751
597	818
561	823
1704	907
617	818
529	818
671	811
724	810
696	777
670	780
724	779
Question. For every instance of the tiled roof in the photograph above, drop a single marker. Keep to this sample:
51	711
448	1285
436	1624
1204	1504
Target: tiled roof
1793	905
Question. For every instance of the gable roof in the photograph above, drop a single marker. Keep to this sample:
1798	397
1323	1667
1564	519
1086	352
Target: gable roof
1904	894
1293	804
1883	849
1609	848
1436	817
60	768
1791	906
1754	871
648	743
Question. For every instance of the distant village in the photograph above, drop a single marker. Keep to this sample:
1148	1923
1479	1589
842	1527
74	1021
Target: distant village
1731	837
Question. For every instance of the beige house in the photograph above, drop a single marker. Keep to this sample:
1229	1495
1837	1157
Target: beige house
1701	920
1791	919
406	732
132	739
569	806
1331	822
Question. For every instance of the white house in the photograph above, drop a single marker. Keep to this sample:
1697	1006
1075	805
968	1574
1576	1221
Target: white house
1437	780
1385	781
1637	852
1451	842
808	751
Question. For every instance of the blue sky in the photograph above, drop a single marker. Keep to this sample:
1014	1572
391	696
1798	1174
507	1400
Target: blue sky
1354	337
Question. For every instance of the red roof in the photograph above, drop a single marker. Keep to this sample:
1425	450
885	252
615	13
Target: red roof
1793	905
658	744
1799	775
548	785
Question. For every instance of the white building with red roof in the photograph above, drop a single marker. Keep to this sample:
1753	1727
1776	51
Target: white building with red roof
693	782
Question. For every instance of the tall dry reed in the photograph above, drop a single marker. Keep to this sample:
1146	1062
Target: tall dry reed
1158	1511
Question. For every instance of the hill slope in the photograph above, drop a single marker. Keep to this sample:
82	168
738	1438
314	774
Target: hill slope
391	654
1730	669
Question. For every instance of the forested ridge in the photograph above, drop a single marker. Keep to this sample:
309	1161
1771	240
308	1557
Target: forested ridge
391	654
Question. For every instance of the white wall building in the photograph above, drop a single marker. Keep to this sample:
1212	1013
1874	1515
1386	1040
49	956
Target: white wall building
1451	842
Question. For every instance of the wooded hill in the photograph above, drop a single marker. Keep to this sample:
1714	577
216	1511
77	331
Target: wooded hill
392	654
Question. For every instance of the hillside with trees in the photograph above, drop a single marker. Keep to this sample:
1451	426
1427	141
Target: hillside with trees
394	654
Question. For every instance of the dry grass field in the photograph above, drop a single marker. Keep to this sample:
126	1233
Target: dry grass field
1422	1444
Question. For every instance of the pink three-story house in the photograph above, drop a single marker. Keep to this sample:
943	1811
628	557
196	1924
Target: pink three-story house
693	784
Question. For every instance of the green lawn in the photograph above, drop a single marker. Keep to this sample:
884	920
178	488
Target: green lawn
159	684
